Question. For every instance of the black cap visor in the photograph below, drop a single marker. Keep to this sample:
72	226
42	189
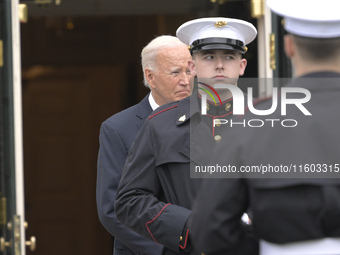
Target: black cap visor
218	44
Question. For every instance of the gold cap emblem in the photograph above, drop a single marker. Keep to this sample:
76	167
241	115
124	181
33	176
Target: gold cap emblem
220	24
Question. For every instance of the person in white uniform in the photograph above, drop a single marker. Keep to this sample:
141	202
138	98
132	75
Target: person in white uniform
292	214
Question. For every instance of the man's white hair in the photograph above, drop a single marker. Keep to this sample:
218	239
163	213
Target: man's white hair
150	52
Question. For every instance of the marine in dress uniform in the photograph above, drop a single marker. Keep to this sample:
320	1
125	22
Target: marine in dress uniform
296	211
156	192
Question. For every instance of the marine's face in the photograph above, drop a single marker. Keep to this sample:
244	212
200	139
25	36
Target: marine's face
218	66
171	80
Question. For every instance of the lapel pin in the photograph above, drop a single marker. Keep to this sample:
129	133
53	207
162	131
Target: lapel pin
182	118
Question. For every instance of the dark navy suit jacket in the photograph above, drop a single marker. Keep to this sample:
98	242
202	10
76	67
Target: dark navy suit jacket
117	134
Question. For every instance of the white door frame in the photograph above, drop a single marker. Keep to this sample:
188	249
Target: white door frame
18	130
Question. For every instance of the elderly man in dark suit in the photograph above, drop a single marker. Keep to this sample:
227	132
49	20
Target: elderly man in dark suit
166	72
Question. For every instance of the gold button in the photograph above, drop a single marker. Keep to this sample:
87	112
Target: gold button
208	106
217	122
217	138
227	107
181	238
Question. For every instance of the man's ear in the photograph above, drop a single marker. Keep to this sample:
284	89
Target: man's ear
192	67
149	77
289	45
243	65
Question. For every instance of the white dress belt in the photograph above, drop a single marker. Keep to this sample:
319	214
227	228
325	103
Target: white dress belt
324	246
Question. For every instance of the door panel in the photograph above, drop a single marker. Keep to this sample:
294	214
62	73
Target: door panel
63	108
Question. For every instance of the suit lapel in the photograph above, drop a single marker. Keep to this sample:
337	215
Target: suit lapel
143	111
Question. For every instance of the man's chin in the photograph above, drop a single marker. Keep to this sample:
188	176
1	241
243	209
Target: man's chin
229	81
182	95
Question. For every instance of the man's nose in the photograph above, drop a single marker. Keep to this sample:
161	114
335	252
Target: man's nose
219	64
185	78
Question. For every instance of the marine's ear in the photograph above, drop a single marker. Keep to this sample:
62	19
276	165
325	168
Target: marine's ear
289	46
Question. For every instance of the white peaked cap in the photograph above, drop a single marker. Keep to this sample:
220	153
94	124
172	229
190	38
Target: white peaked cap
217	33
309	18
